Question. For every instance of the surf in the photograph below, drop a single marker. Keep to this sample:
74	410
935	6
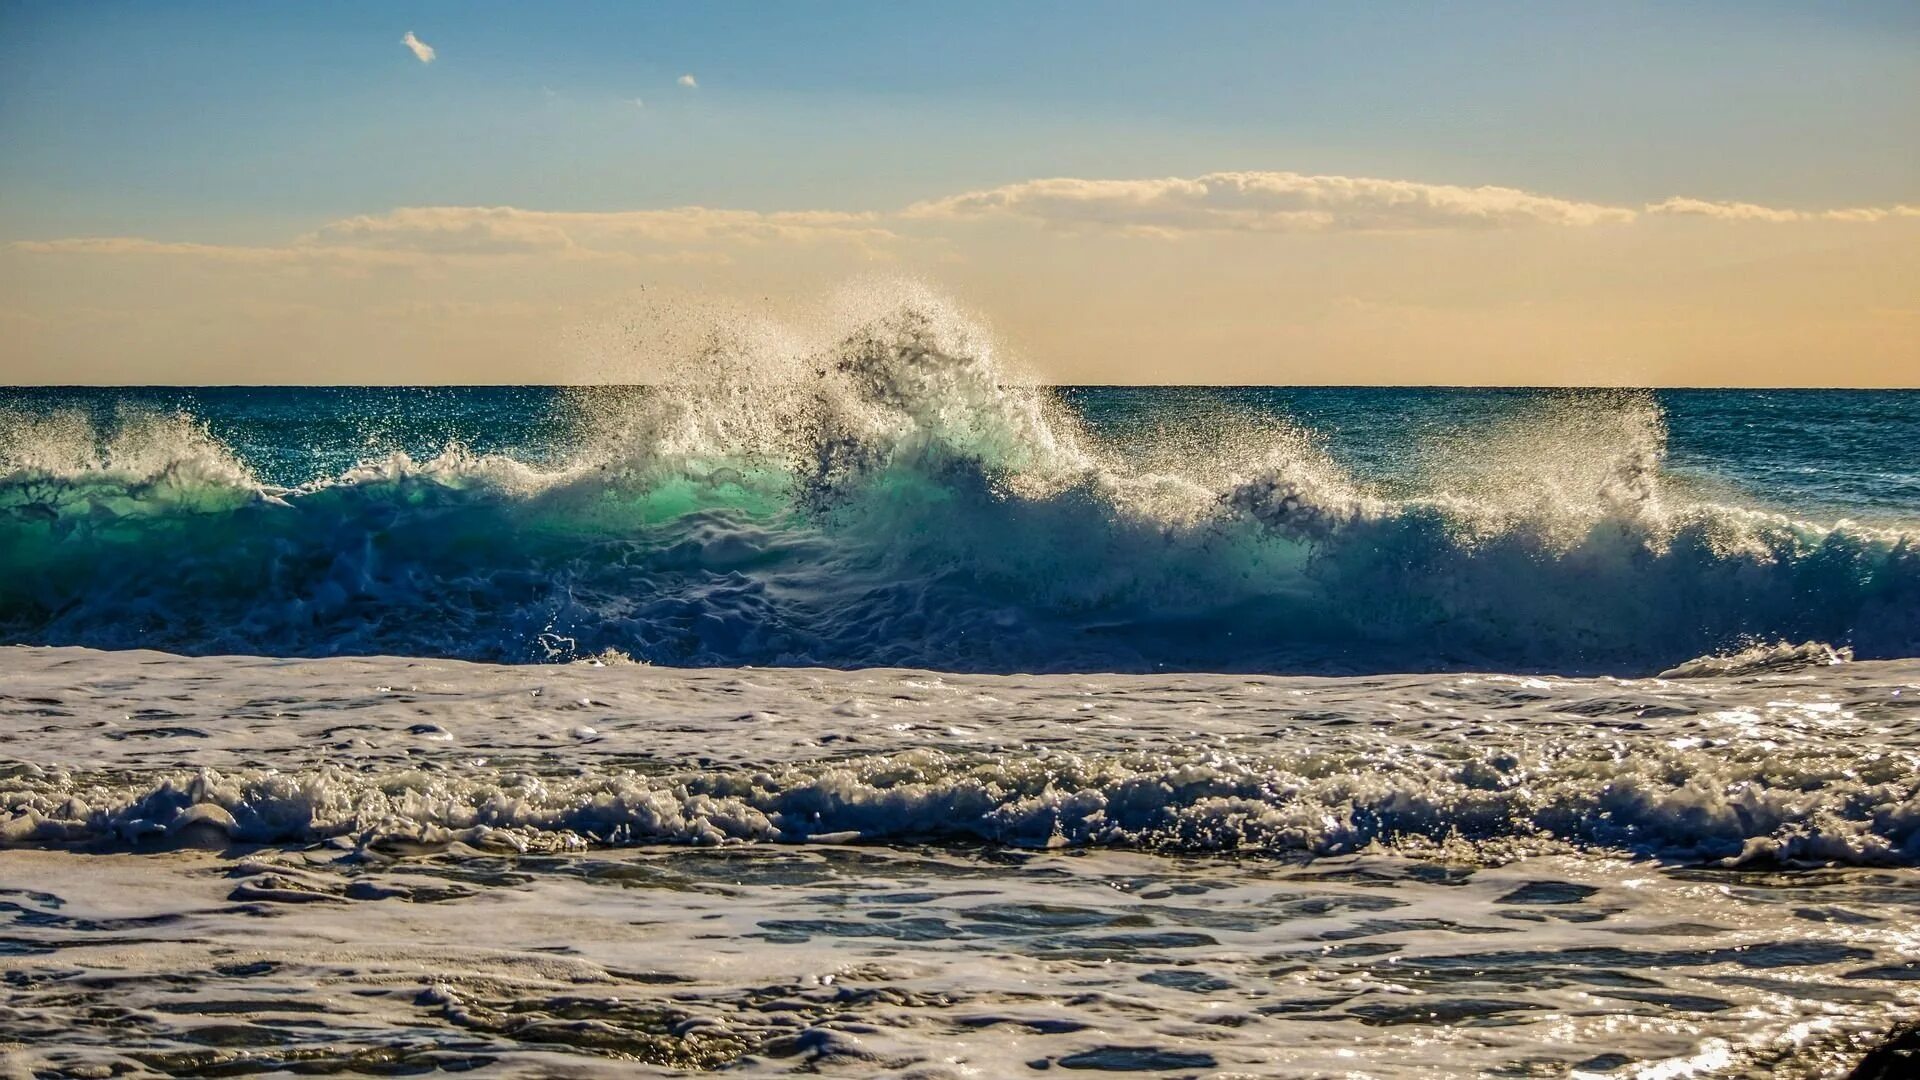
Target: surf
880	488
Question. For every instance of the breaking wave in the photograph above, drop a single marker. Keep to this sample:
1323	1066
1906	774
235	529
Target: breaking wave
880	493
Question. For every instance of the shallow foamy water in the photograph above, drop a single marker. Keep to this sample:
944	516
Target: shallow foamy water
383	865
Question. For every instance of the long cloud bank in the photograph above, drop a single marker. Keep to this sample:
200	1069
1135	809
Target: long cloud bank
1288	202
1267	202
1167	208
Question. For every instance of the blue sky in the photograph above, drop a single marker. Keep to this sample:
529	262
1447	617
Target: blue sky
222	119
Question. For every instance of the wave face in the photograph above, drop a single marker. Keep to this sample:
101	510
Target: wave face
878	492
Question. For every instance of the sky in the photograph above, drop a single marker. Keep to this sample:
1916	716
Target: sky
1465	193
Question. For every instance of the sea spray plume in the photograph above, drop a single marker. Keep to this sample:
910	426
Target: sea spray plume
132	445
918	385
890	373
66	465
1298	492
1553	472
1576	454
58	443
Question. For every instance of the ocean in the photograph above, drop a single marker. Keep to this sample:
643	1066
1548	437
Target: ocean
864	711
963	526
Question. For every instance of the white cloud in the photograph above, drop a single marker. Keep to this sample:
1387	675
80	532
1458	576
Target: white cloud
1265	202
474	230
222	253
639	103
1214	203
1741	211
422	51
1721	211
688	81
420	235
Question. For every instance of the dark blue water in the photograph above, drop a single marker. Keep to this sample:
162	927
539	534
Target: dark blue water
901	512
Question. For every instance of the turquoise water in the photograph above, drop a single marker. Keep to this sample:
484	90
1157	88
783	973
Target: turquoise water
905	508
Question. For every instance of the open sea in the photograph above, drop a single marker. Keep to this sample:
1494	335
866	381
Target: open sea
860	711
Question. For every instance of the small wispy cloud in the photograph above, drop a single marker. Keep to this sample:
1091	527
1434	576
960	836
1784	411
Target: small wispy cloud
1742	211
639	103
422	51
505	230
689	82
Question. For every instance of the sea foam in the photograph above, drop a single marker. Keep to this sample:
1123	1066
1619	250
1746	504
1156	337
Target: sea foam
1765	766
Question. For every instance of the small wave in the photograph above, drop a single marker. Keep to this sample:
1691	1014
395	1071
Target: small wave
883	494
1732	808
1757	659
